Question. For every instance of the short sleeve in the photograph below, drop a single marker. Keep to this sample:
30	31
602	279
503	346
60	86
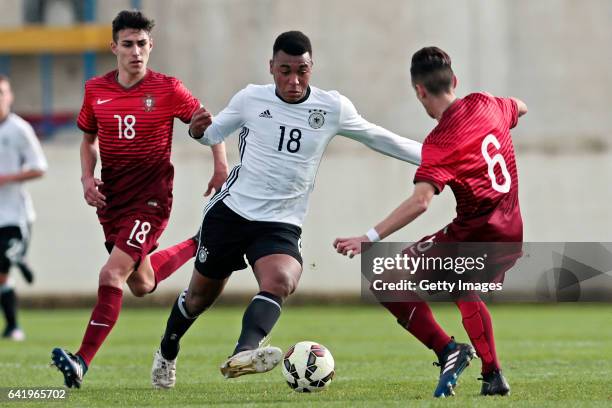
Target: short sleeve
185	104
87	121
437	166
509	110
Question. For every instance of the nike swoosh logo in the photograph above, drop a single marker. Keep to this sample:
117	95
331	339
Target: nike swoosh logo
101	101
93	323
132	245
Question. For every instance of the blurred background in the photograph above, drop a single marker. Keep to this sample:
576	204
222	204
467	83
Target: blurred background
553	54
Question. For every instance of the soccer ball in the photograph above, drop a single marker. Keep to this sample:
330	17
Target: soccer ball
308	367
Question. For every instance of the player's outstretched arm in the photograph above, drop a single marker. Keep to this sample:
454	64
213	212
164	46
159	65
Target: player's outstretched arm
522	107
20	176
89	158
220	171
403	215
377	138
388	143
200	121
34	163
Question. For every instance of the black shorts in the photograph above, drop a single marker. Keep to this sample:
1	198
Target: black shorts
12	247
226	237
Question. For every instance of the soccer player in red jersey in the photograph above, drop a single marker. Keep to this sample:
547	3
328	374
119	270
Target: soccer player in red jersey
129	114
470	150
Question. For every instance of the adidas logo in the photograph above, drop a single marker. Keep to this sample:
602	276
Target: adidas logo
266	114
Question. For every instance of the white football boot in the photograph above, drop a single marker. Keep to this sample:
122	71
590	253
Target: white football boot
163	372
16	335
255	361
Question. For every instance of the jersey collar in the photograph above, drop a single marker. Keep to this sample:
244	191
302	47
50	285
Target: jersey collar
450	108
135	86
296	102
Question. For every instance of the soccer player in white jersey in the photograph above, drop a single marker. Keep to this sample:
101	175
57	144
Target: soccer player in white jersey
259	211
21	159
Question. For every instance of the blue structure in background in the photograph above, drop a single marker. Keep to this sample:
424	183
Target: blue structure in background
89	57
5	65
45	43
46	79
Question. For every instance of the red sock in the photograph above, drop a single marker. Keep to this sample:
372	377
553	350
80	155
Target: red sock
477	323
103	318
167	261
417	318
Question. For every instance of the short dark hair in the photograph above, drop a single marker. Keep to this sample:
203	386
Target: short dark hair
293	43
5	78
431	67
131	19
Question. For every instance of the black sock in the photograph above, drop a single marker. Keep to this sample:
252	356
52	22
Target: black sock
8	301
258	320
178	323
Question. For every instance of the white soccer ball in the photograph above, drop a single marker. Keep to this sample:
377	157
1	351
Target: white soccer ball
308	367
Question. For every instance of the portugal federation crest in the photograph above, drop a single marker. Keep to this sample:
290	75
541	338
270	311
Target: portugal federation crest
149	103
316	118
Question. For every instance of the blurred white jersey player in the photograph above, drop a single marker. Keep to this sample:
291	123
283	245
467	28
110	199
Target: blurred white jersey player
21	159
258	213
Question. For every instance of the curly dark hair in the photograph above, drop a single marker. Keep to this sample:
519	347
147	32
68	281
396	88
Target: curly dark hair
293	43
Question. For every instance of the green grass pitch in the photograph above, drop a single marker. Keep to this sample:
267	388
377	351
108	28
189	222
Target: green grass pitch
552	355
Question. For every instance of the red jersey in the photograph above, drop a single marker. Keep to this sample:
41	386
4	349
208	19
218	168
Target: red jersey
471	150
134	128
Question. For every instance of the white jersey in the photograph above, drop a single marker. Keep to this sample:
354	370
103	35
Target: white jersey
19	151
281	145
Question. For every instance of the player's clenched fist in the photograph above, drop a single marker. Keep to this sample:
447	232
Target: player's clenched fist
350	246
200	121
90	191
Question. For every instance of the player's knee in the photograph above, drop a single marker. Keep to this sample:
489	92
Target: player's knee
281	284
138	289
112	276
291	284
138	286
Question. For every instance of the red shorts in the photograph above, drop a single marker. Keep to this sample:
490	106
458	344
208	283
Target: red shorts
497	257
502	251
135	234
